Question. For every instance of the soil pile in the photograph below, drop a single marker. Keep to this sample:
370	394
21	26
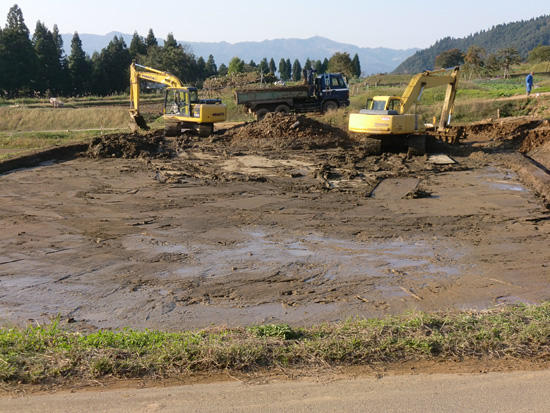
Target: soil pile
518	133
285	131
127	146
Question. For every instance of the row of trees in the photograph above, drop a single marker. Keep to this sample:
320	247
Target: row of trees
477	62
339	62
39	66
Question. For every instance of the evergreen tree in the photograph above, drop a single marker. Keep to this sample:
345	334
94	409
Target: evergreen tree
308	64
356	66
272	67
282	69
19	62
223	70
80	68
63	80
170	41
264	66
137	46
210	67
325	65
151	40
288	69
49	61
318	67
112	68
296	71
201	69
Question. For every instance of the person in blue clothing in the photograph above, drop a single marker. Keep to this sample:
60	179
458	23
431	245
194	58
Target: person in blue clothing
529	83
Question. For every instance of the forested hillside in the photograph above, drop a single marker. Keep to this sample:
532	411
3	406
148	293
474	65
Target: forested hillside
522	35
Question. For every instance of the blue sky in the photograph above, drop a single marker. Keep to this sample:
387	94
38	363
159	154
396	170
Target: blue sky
396	24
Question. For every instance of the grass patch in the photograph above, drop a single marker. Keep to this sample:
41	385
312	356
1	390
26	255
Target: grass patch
49	354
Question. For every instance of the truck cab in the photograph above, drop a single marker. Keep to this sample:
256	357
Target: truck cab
332	87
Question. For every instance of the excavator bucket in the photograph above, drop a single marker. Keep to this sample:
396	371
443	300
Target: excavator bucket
137	121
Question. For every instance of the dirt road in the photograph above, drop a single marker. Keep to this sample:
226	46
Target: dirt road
495	392
270	224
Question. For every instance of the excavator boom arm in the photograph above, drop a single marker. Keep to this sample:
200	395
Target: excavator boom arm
151	75
429	79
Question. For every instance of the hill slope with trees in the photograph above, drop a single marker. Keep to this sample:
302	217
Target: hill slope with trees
522	36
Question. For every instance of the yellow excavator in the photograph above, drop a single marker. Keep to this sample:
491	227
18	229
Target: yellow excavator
183	110
386	118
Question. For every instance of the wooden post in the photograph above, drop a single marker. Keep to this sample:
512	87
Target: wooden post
498	113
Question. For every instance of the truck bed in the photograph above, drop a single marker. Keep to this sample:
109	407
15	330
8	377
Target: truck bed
272	93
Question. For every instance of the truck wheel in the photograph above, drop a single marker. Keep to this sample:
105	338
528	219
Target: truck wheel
260	113
329	106
282	109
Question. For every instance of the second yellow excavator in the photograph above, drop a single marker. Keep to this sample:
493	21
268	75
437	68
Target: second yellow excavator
386	117
182	107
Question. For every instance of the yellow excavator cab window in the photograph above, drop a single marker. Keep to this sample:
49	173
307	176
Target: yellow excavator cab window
379	105
394	104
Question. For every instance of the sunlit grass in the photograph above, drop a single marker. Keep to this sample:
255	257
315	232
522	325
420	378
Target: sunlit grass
51	354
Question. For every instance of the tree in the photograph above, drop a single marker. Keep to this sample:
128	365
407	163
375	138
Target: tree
272	67
170	41
508	57
151	40
19	61
318	67
340	63
539	54
474	60
449	58
296	71
282	70
236	65
210	67
356	66
264	66
80	68
137	46
492	64
288	69
223	70
201	69
111	68
49	61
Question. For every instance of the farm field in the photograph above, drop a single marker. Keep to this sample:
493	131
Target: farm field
263	223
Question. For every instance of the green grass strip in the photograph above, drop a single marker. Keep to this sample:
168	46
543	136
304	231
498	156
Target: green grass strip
50	354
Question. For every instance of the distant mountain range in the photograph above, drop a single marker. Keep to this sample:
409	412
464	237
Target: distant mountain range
373	60
523	35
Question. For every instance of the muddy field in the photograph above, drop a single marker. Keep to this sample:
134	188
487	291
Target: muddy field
283	220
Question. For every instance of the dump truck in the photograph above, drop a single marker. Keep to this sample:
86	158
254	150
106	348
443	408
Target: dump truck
386	118
183	110
323	93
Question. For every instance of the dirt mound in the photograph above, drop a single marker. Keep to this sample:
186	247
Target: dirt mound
285	131
127	146
519	133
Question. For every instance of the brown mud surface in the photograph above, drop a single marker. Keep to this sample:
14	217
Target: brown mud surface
286	220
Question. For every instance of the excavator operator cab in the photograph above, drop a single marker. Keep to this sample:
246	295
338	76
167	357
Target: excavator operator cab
390	103
177	102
